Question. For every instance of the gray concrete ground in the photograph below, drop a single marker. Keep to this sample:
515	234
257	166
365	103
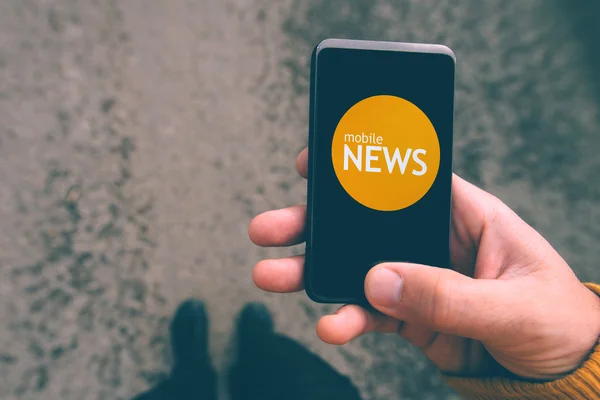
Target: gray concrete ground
138	138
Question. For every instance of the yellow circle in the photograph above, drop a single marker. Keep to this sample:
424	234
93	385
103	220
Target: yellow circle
386	153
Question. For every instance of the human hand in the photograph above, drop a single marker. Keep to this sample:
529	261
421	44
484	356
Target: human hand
510	300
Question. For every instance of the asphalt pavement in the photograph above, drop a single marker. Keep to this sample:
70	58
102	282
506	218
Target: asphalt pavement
139	137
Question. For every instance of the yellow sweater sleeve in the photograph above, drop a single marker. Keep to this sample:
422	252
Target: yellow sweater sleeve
582	384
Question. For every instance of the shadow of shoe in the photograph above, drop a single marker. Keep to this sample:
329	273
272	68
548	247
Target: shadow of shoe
192	374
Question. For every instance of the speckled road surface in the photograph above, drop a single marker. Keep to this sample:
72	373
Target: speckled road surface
138	138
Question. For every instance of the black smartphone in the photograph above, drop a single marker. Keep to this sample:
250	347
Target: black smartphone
380	162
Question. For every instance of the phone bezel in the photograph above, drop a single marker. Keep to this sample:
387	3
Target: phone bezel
312	173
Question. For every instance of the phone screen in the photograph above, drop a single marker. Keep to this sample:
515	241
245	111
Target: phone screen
379	185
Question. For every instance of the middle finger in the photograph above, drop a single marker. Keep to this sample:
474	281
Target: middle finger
283	227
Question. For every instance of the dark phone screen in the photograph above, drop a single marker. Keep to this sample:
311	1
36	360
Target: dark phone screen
346	238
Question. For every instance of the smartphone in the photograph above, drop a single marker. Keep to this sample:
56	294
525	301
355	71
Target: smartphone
380	162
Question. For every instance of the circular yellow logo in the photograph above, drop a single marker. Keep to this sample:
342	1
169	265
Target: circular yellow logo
386	153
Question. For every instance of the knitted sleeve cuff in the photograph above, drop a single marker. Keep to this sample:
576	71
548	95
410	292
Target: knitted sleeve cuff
583	383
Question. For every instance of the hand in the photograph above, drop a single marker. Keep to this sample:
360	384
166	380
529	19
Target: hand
510	300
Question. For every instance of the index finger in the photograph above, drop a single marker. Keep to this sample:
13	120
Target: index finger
302	163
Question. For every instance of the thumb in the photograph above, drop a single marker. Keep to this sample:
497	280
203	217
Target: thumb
441	299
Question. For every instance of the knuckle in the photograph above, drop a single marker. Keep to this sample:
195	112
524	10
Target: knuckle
500	214
442	312
497	212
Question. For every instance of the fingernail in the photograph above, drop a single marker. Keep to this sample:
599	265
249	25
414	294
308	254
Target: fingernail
384	288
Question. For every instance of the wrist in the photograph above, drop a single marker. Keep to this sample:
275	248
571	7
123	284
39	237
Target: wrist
583	341
580	342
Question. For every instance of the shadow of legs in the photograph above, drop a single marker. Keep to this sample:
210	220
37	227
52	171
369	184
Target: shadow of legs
271	366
